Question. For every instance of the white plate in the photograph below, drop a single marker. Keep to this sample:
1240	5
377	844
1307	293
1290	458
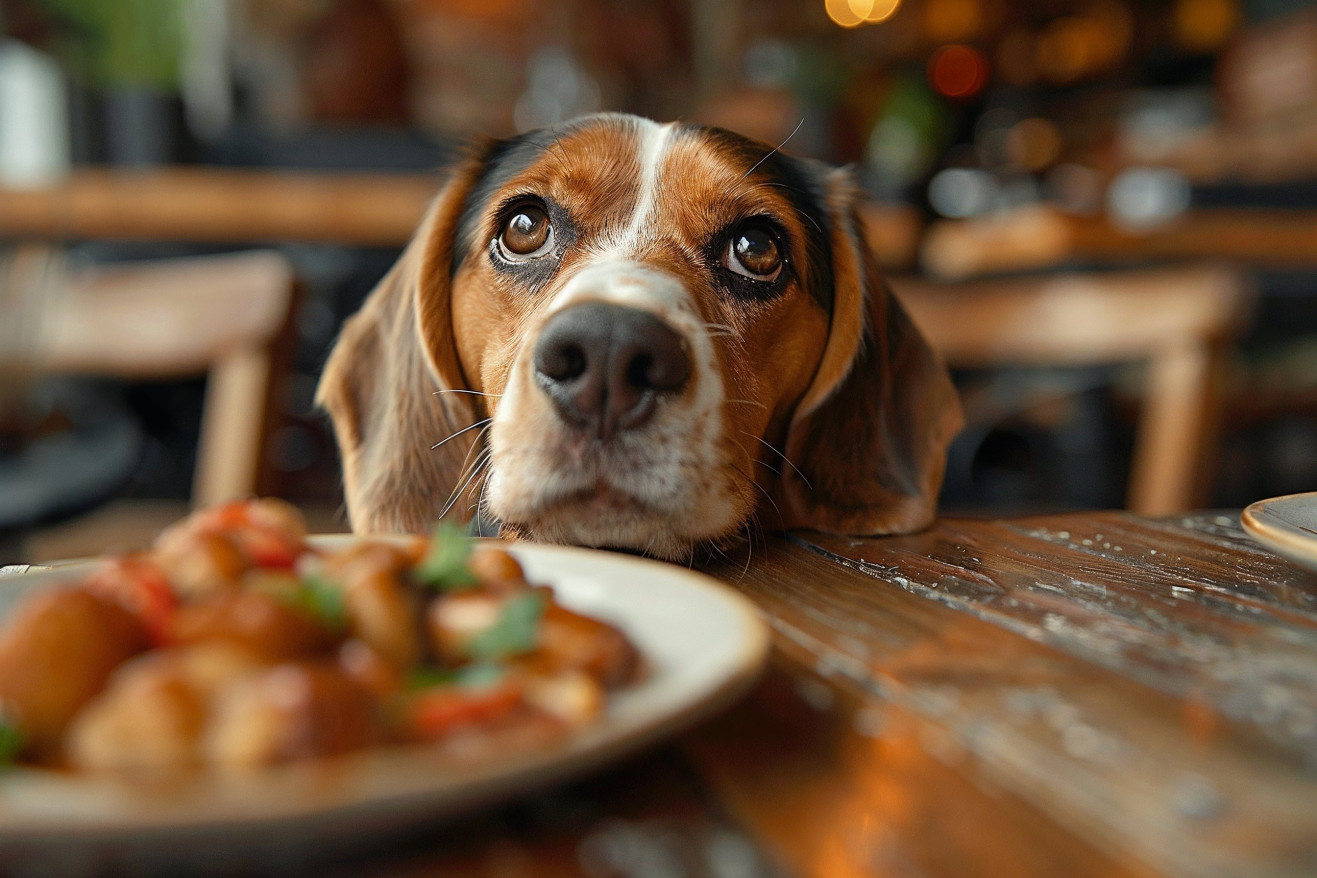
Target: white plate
703	644
1286	525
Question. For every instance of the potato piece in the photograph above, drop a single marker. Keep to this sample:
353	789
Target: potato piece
381	610
56	652
149	719
383	613
199	564
260	623
570	641
155	708
572	696
369	669
293	711
453	620
495	568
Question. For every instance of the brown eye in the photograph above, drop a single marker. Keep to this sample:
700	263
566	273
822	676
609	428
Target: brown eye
754	252
526	234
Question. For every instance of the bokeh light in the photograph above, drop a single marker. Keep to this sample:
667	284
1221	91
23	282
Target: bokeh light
1205	25
1033	144
853	13
1141	198
959	193
958	71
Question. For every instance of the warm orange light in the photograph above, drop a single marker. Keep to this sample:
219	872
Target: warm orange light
958	71
840	12
874	11
1065	49
947	21
1204	25
853	13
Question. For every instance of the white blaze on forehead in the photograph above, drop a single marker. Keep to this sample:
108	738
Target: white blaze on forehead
653	142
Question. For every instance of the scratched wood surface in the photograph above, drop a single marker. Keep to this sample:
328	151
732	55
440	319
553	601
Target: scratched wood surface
1083	694
1095	695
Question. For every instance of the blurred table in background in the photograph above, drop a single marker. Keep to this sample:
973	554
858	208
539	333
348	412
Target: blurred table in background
1038	237
221	205
230	205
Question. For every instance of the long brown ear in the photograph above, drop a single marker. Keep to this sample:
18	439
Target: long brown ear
870	435
383	381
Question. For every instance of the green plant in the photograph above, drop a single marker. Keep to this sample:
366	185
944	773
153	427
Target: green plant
114	43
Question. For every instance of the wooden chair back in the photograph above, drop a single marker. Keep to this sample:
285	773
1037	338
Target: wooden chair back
223	316
1180	321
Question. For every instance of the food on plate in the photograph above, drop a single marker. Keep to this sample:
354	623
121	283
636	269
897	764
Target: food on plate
234	642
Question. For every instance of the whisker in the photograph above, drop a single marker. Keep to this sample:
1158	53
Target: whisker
769	498
472	392
749	402
460	432
478	505
770	447
470	465
774	150
750	547
462	489
760	488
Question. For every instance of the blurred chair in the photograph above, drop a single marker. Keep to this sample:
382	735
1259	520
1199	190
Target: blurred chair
226	317
218	315
1179	321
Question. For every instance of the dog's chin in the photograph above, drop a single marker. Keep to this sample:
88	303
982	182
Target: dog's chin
608	520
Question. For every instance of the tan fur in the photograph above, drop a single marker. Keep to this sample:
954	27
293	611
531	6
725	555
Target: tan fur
870	435
383	386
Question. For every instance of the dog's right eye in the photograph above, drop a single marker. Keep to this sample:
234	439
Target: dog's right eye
527	234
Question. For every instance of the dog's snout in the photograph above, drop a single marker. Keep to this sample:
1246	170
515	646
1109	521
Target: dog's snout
606	366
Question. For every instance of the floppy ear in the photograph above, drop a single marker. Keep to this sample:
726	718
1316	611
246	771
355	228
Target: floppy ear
869	437
382	383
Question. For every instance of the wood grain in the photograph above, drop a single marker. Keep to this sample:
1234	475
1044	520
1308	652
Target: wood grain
1146	688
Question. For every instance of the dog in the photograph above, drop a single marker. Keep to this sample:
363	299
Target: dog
656	338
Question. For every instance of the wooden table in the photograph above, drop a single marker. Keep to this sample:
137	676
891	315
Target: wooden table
1038	237
1093	694
221	205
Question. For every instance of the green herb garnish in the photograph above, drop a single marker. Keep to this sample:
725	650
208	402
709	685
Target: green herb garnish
322	599
479	675
476	675
430	678
444	565
514	632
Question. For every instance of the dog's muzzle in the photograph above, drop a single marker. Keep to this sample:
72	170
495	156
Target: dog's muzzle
606	367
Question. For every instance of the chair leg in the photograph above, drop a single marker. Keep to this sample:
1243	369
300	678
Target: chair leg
1177	431
233	427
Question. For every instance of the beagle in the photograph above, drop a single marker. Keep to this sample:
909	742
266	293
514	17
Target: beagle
617	333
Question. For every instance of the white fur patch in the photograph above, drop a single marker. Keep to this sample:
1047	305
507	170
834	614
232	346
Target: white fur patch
655	141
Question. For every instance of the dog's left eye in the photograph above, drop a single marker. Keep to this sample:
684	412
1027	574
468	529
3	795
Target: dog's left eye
526	234
754	252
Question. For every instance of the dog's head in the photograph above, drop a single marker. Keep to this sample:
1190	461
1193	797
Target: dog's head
619	333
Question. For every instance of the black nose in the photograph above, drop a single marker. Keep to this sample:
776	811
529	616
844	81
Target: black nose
606	366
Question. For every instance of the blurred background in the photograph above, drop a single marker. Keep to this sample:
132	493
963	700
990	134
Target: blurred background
1103	212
